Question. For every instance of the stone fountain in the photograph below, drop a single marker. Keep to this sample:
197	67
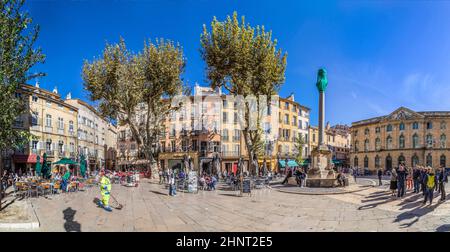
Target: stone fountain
321	173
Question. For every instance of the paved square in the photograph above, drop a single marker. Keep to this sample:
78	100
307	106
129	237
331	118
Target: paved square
149	208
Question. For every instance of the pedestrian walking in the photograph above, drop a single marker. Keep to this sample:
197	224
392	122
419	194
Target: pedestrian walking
430	183
423	174
355	173
393	186
161	177
172	186
380	174
409	179
416	179
443	179
401	181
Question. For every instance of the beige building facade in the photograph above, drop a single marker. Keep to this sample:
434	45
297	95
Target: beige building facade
51	121
404	136
338	140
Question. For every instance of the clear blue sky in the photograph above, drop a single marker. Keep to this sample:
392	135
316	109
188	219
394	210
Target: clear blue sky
379	54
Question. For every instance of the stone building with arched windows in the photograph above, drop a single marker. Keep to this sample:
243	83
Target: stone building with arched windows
404	136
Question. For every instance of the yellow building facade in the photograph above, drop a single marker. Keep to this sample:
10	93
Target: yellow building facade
404	136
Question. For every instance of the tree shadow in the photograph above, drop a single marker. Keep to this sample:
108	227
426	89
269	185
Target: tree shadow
70	225
443	228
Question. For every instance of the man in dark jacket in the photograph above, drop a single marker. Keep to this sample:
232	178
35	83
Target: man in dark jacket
401	180
442	180
423	174
380	174
416	179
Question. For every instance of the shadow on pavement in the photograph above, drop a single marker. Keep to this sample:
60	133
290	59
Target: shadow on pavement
415	214
157	192
443	228
70	225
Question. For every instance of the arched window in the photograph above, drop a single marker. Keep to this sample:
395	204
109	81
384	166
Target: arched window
443	141
377	161
401	142
415	125
355	162
401	160
377	143
366	145
429	140
429	160
389	128
388	162
389	142
377	130
415	141
401	126
415	160
443	125
366	162
356	146
442	160
366	131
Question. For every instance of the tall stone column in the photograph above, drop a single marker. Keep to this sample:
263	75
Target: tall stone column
321	118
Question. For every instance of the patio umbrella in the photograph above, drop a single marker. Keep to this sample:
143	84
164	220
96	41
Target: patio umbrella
66	161
38	166
82	166
45	167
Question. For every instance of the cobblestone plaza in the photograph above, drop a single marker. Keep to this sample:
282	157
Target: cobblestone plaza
149	208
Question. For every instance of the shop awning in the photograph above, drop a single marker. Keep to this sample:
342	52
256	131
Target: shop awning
291	163
305	162
25	159
335	161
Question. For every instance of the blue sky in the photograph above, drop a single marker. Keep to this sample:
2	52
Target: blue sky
379	54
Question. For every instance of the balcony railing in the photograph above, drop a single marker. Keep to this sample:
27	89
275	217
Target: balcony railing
225	138
48	129
50	153
231	153
236	139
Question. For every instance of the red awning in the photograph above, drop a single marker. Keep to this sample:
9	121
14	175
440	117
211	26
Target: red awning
25	159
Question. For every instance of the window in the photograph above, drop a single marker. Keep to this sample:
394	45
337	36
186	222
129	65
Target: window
443	141
225	103
49	103
429	125
366	162
225	135
355	162
389	142
443	125
388	162
286	119
415	141
133	147
71	126
235	118
401	160
60	123
377	161
61	147
429	160
389	128
415	160
366	145
401	142
34	98
442	160
356	146
314	138
237	135
415	125
48	120
377	130
366	131
34	118
225	117
429	140
294	121
286	105
401	126
34	145
377	143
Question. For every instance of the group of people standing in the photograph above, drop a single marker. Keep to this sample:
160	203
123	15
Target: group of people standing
419	179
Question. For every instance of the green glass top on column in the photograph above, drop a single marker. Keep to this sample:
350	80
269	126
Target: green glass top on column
322	81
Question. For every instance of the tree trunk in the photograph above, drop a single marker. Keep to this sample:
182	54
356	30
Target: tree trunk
1	176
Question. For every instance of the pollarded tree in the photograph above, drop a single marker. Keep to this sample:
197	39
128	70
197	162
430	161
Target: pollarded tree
137	89
244	61
17	56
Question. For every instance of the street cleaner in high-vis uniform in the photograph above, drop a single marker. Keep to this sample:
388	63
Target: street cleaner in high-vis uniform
105	189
